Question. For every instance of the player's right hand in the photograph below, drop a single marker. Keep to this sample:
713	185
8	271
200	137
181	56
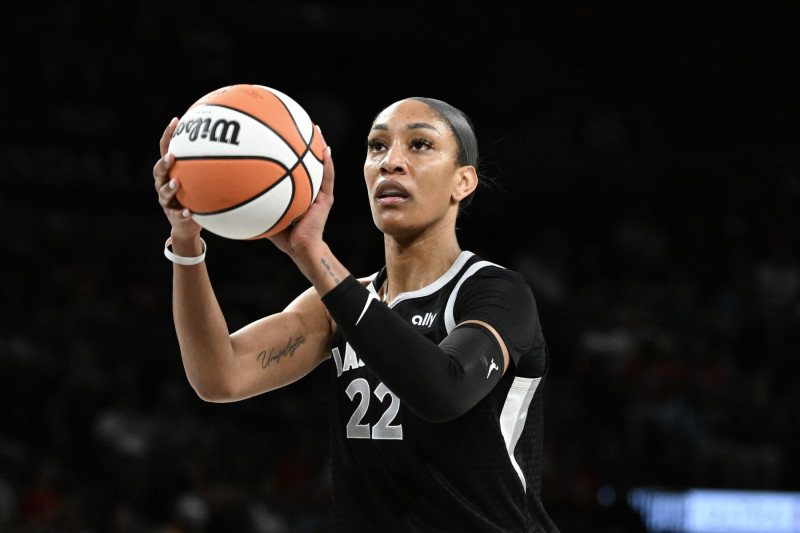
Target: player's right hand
183	226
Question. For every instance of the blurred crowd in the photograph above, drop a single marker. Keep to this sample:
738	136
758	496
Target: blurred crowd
648	183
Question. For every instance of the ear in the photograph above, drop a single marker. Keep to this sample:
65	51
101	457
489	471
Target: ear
465	180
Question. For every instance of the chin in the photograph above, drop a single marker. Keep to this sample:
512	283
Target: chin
395	225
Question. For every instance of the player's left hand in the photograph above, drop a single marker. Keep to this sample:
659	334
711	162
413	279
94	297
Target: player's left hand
308	229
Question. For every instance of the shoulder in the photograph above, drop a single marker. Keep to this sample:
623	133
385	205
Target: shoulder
487	289
479	271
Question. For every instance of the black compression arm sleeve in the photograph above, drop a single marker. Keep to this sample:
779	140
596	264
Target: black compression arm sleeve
437	382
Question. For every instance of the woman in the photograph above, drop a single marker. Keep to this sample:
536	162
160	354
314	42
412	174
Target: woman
437	360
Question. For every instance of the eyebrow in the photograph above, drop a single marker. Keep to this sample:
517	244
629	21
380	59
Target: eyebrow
412	126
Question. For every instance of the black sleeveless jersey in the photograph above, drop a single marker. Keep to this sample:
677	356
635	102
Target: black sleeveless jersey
394	472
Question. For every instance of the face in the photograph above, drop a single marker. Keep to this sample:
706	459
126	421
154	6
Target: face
413	180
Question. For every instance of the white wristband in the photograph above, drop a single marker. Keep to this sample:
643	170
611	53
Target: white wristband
179	259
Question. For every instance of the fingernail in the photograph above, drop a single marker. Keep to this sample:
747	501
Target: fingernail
168	157
186	213
172	184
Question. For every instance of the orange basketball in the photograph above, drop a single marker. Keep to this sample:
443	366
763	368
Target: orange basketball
249	161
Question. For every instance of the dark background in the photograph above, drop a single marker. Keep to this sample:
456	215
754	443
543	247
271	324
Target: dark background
647	157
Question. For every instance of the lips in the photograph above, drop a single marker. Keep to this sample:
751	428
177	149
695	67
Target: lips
390	190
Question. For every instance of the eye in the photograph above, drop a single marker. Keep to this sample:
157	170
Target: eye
375	145
421	144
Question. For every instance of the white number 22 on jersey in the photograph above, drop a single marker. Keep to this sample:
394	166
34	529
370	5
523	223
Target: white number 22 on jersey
383	429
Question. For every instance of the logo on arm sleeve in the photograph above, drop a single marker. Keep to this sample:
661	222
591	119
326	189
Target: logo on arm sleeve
492	366
370	297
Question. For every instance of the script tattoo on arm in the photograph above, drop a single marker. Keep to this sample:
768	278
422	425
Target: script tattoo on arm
328	268
267	359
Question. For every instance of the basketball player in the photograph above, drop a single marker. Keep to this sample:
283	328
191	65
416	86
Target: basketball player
437	362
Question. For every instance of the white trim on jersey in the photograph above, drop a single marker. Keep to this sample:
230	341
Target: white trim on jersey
513	415
462	258
449	321
520	395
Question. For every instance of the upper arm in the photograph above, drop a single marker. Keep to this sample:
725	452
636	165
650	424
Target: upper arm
281	348
500	341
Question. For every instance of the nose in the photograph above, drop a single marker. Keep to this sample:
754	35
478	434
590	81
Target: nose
394	160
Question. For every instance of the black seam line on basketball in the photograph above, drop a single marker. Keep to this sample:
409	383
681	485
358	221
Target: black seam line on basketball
301	161
231	157
288	205
308	173
289	172
308	146
296	125
281	137
259	195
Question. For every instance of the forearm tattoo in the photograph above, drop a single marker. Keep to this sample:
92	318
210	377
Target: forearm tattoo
328	268
266	359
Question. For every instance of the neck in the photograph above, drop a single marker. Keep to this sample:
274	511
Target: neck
412	266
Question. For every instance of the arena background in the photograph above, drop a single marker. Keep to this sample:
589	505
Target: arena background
647	156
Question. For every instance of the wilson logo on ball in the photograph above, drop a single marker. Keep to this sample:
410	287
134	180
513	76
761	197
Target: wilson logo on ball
201	127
